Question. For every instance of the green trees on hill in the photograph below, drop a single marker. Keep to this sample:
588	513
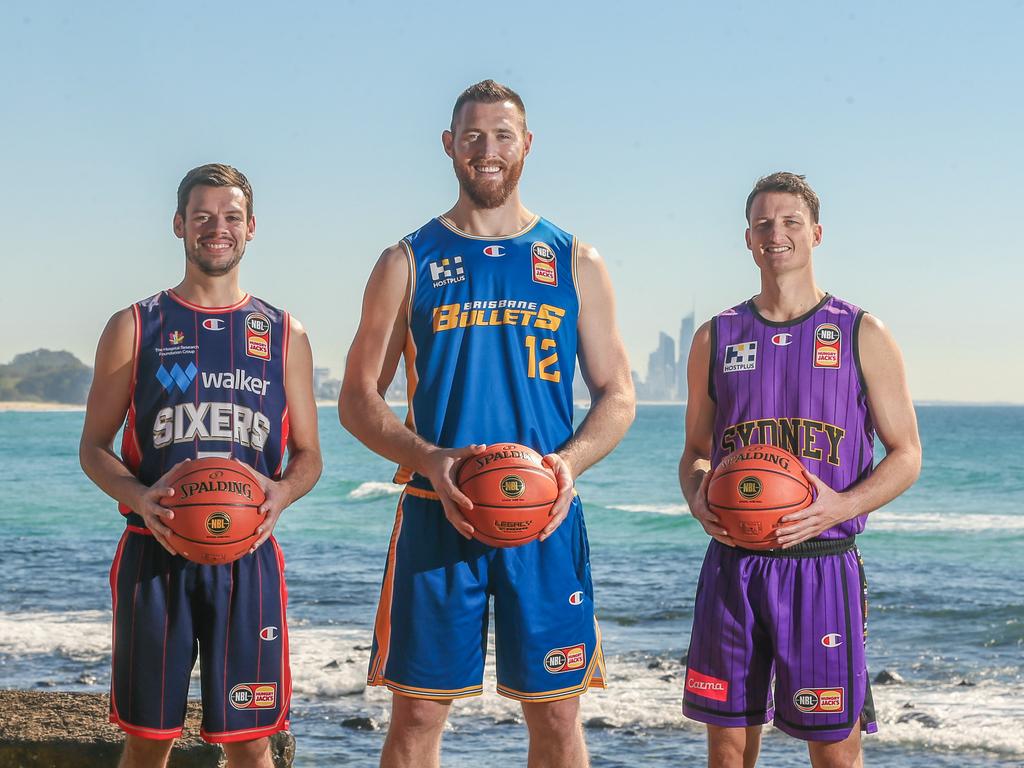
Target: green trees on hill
46	376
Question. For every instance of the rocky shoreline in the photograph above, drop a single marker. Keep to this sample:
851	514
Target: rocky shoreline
52	729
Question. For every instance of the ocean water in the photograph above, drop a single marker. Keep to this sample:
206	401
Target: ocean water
943	565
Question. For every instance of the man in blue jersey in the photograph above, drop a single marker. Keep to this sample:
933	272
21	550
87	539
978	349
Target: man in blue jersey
202	369
491	306
778	635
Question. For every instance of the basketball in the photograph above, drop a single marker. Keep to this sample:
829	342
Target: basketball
512	491
216	510
752	488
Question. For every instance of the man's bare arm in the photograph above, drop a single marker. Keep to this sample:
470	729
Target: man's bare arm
892	412
695	463
605	368
371	363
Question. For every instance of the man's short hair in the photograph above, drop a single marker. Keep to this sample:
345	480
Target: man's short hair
488	92
783	181
214	175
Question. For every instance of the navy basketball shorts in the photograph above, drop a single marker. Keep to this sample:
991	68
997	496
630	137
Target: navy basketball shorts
430	637
168	611
797	620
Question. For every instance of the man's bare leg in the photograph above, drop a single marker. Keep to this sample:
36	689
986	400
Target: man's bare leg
733	747
556	734
414	737
145	753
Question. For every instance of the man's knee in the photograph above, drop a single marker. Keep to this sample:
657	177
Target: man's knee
140	752
419	716
248	754
553	718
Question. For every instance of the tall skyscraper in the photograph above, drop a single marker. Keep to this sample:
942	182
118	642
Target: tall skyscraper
686	329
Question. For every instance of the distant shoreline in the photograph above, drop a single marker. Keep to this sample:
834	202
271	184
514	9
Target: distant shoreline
30	406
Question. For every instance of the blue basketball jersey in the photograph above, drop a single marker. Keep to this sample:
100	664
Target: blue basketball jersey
207	381
491	348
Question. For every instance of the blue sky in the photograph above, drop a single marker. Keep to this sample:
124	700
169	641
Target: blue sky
651	122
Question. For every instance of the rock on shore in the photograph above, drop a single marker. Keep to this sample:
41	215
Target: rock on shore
50	729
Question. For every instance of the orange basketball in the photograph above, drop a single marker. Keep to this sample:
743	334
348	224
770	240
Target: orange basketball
512	491
752	488
216	510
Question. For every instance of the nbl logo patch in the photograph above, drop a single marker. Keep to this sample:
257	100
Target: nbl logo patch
819	700
827	346
253	696
544	265
257	335
559	660
512	486
740	357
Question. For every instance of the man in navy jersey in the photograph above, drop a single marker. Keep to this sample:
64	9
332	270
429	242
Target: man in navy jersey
801	369
490	305
202	369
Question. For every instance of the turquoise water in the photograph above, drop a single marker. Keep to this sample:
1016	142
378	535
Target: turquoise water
947	611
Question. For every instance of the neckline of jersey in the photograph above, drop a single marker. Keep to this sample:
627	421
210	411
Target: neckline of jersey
789	323
447	223
208	310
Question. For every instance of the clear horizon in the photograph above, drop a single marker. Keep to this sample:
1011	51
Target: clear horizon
650	128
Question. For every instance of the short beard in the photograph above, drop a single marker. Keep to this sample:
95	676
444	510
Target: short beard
211	271
486	195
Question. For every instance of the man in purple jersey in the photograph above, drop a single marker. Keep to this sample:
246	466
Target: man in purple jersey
198	370
801	369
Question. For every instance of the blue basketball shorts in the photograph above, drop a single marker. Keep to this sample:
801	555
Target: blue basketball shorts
430	637
168	611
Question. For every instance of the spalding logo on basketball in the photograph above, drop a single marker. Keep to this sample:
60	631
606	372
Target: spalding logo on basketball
752	488
512	491
216	506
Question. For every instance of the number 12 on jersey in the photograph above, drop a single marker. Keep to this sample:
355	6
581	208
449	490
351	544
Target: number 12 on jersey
542	368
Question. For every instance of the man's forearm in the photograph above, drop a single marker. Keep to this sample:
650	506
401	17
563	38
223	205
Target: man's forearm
893	475
301	473
375	425
604	426
692	468
105	469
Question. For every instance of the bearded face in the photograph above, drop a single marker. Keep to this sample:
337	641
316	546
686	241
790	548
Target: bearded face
488	145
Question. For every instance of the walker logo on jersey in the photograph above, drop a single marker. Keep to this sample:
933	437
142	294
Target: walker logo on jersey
269	633
819	700
218	524
750	487
176	377
254	696
544	270
832	640
827	346
494	251
447	272
512	486
175	337
576	598
568	659
237	380
706	686
213	324
257	335
741	357
782	339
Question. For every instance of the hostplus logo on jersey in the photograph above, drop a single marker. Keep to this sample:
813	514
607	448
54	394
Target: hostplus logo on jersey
447	271
741	357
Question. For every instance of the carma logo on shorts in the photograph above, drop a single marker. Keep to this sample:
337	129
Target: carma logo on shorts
819	700
707	686
253	696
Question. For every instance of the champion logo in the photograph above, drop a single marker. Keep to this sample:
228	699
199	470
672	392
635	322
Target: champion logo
213	324
832	640
494	250
576	598
269	633
782	339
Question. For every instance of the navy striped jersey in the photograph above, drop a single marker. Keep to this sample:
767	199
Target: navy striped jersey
491	347
206	381
798	385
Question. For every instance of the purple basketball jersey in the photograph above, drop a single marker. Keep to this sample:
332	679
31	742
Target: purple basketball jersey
797	385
